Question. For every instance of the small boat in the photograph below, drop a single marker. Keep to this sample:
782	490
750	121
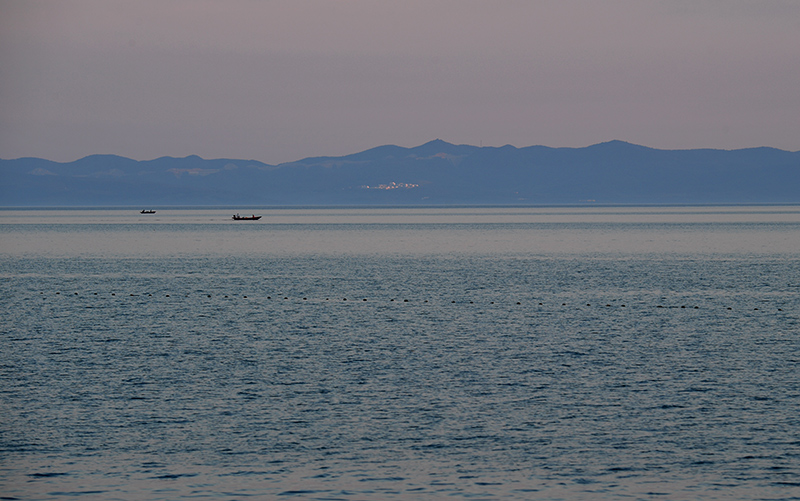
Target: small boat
237	217
147	211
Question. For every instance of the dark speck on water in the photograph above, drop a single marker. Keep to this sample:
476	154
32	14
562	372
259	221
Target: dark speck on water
499	352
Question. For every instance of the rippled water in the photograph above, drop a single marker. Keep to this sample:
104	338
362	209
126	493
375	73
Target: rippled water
522	353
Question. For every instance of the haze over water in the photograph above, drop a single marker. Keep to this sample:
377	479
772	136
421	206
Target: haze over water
401	353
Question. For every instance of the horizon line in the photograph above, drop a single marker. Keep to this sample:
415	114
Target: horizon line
433	141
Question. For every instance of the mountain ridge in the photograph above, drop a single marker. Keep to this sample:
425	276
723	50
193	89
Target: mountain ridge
433	173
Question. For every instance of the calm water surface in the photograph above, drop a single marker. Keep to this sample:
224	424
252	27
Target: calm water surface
417	353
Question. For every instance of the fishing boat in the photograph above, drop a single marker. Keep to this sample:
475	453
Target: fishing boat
237	217
147	211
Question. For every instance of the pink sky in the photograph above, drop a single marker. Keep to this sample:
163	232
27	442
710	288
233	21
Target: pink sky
281	80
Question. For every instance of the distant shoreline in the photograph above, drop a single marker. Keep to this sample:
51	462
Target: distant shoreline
434	174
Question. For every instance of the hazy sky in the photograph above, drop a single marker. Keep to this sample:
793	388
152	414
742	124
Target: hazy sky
280	80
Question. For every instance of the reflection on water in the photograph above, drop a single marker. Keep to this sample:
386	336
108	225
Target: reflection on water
675	230
550	353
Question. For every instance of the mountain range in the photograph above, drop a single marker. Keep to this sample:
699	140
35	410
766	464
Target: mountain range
435	173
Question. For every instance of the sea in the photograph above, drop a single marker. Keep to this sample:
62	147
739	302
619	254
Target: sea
367	353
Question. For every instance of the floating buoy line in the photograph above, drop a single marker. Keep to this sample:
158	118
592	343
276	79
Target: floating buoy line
284	298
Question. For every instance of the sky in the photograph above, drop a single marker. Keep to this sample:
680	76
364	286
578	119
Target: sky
281	80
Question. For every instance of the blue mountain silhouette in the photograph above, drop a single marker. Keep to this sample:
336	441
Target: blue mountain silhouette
436	172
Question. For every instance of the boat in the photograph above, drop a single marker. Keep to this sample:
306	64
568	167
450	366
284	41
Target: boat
147	211
237	217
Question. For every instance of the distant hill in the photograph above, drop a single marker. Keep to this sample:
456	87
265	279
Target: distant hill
434	173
